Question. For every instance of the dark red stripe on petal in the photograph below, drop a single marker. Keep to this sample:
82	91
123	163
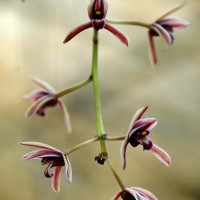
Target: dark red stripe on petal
56	179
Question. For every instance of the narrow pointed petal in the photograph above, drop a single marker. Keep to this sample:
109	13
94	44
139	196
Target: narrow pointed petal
44	85
164	34
123	151
122	37
68	171
137	116
32	110
152	50
174	23
77	30
116	196
145	124
33	95
47	174
145	192
56	179
172	10
41	154
161	155
66	116
39	145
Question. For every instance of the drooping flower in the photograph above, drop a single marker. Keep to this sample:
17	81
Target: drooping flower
138	133
134	193
97	11
43	99
54	158
164	28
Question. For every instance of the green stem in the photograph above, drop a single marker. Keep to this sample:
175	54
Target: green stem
115	174
100	127
135	23
117	138
80	145
73	87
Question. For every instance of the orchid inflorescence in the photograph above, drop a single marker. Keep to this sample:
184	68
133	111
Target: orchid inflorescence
140	128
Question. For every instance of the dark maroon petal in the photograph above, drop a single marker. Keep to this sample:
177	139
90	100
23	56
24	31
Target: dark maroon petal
127	196
77	30
134	142
131	194
117	33
46	171
152	49
95	6
147	143
98	24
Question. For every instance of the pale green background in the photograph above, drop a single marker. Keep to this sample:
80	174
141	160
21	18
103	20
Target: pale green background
31	36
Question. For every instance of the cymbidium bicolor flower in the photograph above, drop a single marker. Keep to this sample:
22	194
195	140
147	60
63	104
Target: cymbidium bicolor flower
138	135
43	99
54	158
134	193
164	28
97	11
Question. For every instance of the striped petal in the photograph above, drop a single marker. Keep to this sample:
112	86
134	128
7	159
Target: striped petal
152	50
146	193
68	171
135	194
174	23
33	109
137	116
44	85
66	115
40	145
161	155
36	94
41	154
122	37
56	179
123	151
163	33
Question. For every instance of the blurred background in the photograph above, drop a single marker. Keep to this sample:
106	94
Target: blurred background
31	36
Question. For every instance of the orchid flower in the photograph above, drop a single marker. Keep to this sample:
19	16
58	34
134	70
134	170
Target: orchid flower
134	193
164	28
54	158
138	135
45	98
97	11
